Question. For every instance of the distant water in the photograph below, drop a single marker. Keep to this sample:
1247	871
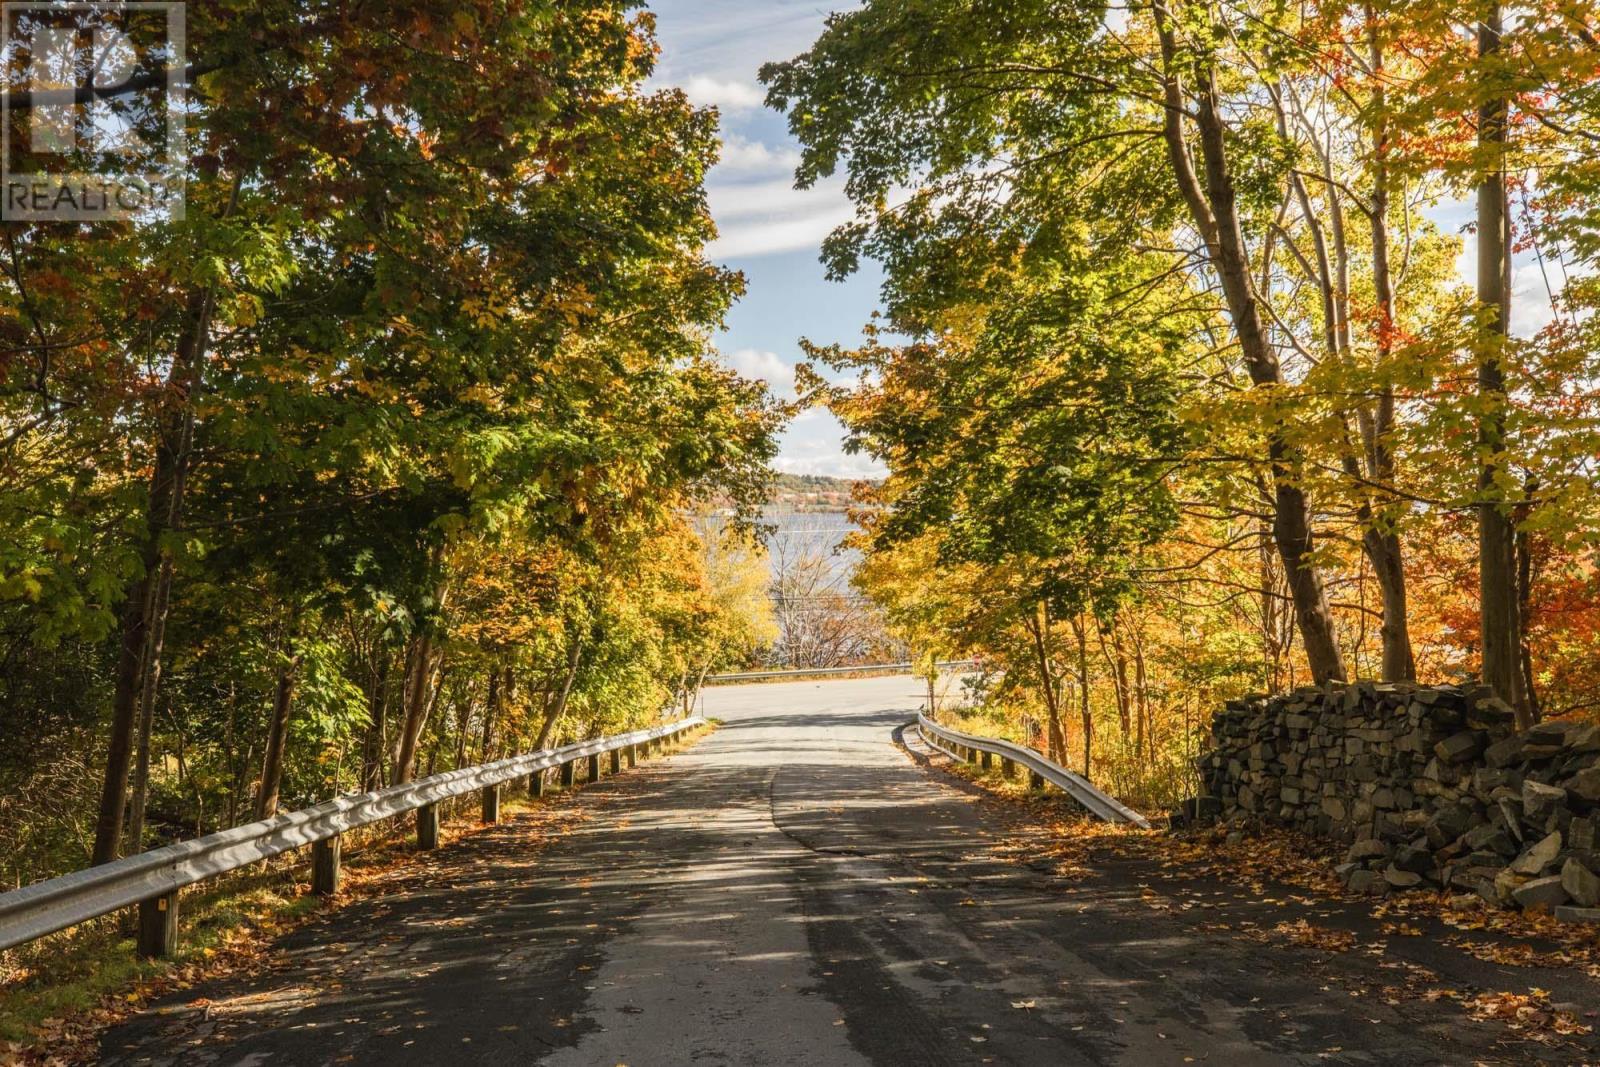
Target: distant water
796	534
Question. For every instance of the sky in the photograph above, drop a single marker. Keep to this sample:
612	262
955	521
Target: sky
771	232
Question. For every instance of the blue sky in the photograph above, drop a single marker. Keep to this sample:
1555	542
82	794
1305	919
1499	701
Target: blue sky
713	49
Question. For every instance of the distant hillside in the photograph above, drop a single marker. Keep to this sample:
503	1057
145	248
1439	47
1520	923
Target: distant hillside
811	492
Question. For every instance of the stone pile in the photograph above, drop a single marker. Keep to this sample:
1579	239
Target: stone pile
1431	787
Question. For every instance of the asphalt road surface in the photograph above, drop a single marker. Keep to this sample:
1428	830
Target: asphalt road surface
797	889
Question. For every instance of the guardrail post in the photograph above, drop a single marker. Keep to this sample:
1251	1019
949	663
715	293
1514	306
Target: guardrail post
158	926
569	773
1008	768
988	760
972	755
1035	780
428	826
325	868
633	756
491	803
536	784
616	761
594	767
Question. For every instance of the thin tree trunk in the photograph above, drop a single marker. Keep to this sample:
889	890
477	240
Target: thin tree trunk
230	749
1497	563
1213	209
1117	658
1057	737
278	728
558	708
419	663
377	714
147	711
1530	693
1383	546
142	625
491	715
1081	632
463	717
1142	689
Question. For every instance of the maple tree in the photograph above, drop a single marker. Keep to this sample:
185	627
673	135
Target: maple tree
376	461
1274	184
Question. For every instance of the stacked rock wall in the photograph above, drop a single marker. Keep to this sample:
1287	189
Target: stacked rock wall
1429	787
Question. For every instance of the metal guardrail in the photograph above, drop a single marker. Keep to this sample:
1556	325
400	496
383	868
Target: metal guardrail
45	907
826	672
1097	802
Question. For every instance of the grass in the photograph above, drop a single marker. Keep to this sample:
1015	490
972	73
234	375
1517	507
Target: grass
58	993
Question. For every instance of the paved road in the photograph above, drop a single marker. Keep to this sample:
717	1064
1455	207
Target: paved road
794	890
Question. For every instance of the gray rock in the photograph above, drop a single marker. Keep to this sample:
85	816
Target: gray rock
1490	712
1460	747
1406	879
1550	739
1539	800
1370	882
1569	914
1485	780
1490	838
1368	849
1541	892
1586	784
1415	860
1581	834
1447	826
1504	752
1506	882
1540	857
1581	884
1508	813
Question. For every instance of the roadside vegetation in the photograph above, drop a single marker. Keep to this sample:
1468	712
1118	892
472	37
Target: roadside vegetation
388	458
1180	388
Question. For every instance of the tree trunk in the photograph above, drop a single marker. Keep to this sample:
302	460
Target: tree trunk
1383	547
463	717
419	664
1214	211
142	624
377	714
278	730
494	709
1081	632
1497	563
147	712
1530	692
1039	627
1117	658
558	708
1141	685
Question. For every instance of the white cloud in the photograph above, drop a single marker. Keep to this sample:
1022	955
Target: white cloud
742	158
814	444
729	96
766	217
767	366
